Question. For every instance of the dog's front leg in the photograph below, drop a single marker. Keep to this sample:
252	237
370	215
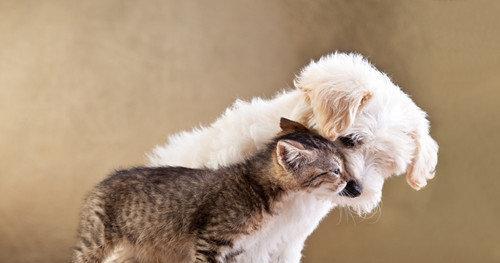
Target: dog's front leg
289	253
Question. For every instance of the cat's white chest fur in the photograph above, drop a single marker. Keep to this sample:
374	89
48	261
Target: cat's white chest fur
282	236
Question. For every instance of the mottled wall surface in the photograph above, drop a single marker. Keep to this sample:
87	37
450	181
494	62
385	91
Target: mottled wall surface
89	86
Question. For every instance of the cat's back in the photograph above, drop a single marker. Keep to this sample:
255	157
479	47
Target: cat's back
155	178
142	200
150	189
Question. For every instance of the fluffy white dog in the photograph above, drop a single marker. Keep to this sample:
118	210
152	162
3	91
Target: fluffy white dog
342	96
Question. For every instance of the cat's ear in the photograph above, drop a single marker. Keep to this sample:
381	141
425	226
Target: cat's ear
287	126
291	154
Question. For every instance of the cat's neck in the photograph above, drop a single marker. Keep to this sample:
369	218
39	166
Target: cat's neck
262	173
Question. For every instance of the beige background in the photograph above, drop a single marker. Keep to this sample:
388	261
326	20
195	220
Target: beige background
89	86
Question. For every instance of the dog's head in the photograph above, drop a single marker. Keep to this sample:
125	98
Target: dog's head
381	130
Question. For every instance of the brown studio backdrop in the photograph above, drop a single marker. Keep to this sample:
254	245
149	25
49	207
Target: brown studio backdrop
89	86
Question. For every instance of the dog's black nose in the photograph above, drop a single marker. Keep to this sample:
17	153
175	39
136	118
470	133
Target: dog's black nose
352	189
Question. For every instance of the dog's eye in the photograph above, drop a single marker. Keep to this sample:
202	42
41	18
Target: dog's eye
348	141
336	171
351	140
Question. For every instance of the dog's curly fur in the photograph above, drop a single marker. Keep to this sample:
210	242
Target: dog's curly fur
343	96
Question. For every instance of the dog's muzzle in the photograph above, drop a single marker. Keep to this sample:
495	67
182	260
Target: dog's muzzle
352	189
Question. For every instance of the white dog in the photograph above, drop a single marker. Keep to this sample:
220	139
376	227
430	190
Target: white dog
342	96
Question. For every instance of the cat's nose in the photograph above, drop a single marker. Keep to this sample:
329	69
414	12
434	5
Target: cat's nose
352	189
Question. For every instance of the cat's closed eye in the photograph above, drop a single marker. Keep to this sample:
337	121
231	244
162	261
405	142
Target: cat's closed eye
335	172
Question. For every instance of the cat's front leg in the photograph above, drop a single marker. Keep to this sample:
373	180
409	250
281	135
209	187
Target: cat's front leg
206	251
205	256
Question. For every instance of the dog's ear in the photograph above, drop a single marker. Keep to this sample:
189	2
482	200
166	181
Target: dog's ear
335	110
287	126
423	165
292	154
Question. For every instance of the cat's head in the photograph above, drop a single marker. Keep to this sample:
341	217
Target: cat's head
308	161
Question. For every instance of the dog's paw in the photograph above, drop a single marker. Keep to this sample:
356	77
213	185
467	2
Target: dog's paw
418	182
